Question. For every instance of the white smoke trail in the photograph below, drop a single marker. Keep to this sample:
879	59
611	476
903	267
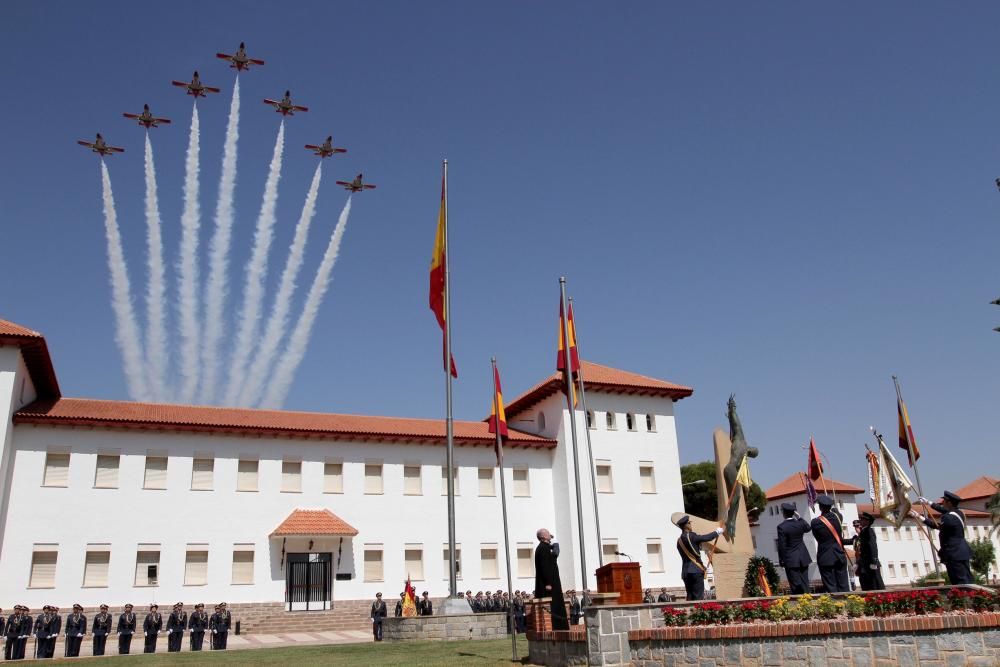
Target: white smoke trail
290	359
188	267
278	322
215	291
126	328
156	334
253	293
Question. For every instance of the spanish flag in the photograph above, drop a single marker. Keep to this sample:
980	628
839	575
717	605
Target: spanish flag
815	466
409	599
906	439
438	277
574	356
498	418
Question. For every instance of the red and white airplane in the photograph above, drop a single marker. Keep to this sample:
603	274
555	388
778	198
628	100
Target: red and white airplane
284	106
240	61
100	146
357	185
326	149
146	119
195	87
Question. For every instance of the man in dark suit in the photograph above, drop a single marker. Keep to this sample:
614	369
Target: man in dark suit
792	552
830	555
869	568
100	629
689	547
198	624
547	581
379	612
176	625
126	628
954	552
425	607
151	627
76	628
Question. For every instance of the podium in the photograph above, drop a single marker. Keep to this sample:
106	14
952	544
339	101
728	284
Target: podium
621	578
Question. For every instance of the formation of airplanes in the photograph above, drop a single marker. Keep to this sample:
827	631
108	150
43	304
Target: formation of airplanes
239	61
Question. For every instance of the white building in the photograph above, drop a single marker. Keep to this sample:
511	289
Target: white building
112	501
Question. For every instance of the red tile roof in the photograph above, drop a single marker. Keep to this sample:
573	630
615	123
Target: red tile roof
969	514
36	356
314	522
601	378
795	484
984	487
159	416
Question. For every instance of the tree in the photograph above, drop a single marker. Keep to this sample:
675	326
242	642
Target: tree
701	500
983	555
993	507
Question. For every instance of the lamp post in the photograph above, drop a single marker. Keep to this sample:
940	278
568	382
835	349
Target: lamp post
697	482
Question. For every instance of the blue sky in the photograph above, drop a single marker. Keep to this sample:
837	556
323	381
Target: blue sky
786	202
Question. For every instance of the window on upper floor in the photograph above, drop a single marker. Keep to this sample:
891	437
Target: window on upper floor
413	560
654	556
106	472
447	563
647	481
609	548
604	481
202	474
610	419
651	423
525	561
486	485
591	423
243	555
892	570
488	562
909	533
246	475
444	479
373	478
43	566
196	565
333	478
147	565
155	476
412	484
95	566
373	562
56	469
291	476
522	488
630	421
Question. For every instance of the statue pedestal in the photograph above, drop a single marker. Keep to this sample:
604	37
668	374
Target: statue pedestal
621	578
729	570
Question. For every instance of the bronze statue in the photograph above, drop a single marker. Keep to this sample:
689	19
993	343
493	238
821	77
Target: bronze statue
738	451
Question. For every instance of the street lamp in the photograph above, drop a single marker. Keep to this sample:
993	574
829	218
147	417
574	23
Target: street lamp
697	482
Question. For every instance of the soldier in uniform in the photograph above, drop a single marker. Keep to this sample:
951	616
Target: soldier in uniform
176	625
198	624
125	630
830	555
100	629
151	627
42	629
954	552
398	613
792	552
76	628
647	596
227	625
11	630
26	627
663	596
692	569
425	607
869	568
378	613
574	608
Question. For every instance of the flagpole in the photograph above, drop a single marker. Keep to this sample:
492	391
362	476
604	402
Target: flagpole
503	504
590	449
568	373
909	441
449	421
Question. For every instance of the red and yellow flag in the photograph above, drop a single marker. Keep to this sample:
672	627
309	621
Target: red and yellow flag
409	599
498	418
438	279
765	586
574	356
815	466
906	439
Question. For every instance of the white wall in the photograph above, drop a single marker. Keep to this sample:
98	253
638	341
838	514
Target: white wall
16	390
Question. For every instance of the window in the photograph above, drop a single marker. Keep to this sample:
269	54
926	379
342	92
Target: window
654	556
610	418
291	476
486	486
202	473
647	482
590	420
196	566
540	420
885	534
444	480
56	469
651	423
525	561
95	566
630	421
488	560
412	484
895	534
458	561
909	533
156	473
916	568
242	564
43	565
604	484
106	475
892	570
373	563
522	489
609	548
333	478
246	475
927	566
840	504
147	565
373	478
903	571
413	558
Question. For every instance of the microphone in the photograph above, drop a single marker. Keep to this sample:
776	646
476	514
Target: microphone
621	553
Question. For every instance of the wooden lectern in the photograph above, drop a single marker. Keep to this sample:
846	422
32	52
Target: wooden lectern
621	578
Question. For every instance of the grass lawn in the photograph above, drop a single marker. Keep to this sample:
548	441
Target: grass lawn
490	653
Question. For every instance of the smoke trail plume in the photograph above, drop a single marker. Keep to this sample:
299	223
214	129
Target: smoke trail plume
277	324
188	266
218	254
253	294
126	328
290	359
156	335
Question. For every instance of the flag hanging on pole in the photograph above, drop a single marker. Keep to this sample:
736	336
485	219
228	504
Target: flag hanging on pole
574	356
811	495
498	419
409	599
743	475
438	278
891	488
906	439
815	467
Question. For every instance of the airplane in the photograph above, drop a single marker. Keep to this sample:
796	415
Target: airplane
195	87
240	61
326	149
285	106
356	185
100	146
146	119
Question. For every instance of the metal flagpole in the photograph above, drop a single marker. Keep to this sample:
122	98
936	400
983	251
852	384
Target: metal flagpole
568	373
449	422
503	504
590	449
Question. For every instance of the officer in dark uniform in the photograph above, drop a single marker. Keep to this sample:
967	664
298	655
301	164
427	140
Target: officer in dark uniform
12	628
830	555
954	552
398	613
866	547
176	625
198	624
574	609
219	630
100	629
151	627
378	613
3	624
689	547
425	607
26	627
792	552
42	630
227	625
125	630
76	628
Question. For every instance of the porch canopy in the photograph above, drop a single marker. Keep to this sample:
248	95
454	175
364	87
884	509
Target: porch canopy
314	523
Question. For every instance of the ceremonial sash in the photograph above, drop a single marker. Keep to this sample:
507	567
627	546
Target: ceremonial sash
689	553
958	516
829	527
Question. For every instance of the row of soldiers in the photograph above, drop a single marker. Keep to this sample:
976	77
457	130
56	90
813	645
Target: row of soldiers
47	626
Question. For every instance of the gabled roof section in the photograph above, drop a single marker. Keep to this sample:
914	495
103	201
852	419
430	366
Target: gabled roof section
308	425
601	378
984	487
795	484
314	522
36	357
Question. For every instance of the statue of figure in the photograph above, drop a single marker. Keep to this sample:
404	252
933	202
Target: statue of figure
738	451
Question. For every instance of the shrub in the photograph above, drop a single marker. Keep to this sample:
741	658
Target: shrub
855	606
827	607
977	600
780	609
748	612
804	608
674	616
709	613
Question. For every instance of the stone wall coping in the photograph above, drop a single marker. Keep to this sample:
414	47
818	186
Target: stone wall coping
575	635
836	596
